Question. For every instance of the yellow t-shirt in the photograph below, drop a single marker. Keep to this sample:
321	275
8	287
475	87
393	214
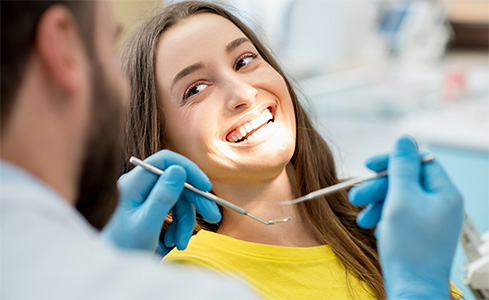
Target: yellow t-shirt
276	272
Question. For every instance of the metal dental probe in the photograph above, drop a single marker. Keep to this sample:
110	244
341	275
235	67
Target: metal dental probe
345	184
220	201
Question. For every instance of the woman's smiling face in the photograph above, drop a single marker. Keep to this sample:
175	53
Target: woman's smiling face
224	106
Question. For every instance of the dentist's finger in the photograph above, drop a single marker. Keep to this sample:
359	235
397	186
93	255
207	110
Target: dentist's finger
404	164
370	216
184	215
370	191
208	209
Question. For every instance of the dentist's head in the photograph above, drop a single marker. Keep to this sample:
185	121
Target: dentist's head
62	99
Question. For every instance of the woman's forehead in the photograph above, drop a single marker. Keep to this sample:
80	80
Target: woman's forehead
201	30
194	39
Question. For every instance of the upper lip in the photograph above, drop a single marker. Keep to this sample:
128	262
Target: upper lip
250	116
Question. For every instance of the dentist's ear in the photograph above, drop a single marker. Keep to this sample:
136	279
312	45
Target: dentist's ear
60	50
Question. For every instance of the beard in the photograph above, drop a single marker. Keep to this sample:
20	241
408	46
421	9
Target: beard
97	187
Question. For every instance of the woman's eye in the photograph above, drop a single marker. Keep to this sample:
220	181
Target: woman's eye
195	90
244	61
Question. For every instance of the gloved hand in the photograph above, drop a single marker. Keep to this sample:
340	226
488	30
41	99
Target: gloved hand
145	200
421	215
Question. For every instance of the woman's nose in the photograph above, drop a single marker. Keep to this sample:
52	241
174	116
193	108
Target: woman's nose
241	94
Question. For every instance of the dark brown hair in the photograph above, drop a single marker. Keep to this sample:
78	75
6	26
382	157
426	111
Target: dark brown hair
19	21
332	218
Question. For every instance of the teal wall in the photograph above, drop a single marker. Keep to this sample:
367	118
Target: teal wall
469	170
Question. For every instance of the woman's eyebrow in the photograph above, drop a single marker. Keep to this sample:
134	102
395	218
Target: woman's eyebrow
192	68
235	44
188	70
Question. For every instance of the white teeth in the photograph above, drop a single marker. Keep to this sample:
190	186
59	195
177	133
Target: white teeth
242	132
256	122
250	126
264	117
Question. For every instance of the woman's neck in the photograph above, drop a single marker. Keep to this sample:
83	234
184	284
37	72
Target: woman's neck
263	201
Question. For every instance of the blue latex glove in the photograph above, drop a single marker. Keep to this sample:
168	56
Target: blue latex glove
372	193
421	215
145	200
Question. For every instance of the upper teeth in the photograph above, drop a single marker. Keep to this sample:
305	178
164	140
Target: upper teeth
245	129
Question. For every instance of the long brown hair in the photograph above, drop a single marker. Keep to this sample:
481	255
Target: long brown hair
332	218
